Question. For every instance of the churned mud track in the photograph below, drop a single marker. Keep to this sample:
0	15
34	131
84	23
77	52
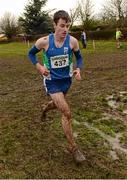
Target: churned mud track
32	149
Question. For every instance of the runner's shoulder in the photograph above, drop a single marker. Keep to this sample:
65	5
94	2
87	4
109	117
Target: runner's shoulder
42	42
73	42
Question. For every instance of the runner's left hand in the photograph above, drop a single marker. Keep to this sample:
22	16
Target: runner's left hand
77	74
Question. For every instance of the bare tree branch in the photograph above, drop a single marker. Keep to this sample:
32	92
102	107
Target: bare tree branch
115	10
85	8
9	24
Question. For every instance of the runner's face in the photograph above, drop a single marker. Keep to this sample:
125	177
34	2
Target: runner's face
62	28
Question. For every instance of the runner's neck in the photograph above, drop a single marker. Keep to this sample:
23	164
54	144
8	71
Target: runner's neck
59	41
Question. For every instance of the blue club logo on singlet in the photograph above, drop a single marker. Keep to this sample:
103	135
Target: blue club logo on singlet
59	61
65	50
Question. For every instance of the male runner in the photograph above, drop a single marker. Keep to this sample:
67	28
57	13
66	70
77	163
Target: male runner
118	37
57	70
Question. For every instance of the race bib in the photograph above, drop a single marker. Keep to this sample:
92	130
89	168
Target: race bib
59	61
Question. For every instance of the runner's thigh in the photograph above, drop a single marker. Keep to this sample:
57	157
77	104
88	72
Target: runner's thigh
60	102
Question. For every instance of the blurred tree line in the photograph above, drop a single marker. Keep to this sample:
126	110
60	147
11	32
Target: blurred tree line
36	21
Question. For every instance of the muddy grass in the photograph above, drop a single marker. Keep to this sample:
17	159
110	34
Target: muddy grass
32	149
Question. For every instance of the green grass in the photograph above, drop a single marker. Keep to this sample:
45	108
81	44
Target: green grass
21	49
102	46
13	49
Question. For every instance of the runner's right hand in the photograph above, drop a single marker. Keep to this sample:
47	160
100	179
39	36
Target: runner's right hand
43	70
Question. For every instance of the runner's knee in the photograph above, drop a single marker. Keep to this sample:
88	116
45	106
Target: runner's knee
67	114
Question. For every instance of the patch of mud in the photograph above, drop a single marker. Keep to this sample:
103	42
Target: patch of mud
118	102
114	115
115	101
118	107
114	142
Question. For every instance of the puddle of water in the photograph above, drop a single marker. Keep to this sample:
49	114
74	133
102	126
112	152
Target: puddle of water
112	99
75	134
109	97
123	92
113	155
114	142
112	103
125	111
115	116
76	122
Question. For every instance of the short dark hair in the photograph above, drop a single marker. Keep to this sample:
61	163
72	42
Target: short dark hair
61	14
